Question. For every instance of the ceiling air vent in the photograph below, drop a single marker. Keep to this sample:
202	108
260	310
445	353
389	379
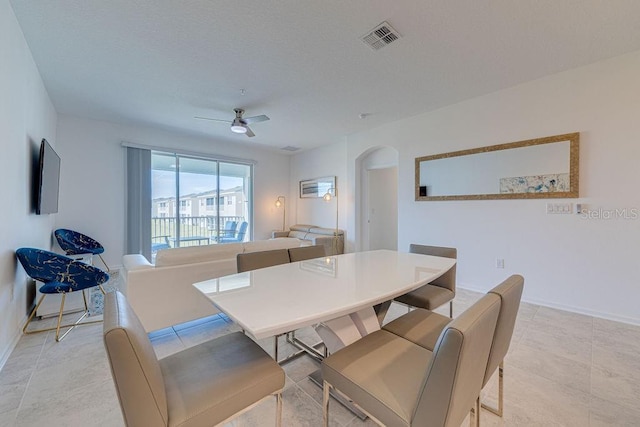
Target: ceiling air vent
290	148
381	36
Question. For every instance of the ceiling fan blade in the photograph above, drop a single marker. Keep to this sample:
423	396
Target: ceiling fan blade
213	120
249	132
255	119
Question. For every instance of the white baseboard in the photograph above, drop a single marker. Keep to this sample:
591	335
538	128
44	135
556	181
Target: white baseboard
573	309
115	273
12	344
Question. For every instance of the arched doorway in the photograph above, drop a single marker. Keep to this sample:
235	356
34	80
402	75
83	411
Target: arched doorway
377	201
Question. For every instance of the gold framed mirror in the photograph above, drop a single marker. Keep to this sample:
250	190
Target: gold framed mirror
540	168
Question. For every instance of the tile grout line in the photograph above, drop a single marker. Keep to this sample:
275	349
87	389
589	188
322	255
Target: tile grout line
24	393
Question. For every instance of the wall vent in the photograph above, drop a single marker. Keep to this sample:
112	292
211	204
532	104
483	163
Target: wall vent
381	36
290	148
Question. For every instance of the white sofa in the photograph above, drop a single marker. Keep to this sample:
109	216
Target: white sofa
162	295
315	235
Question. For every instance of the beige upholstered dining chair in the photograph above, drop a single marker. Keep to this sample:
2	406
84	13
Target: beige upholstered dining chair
255	260
423	328
438	292
262	259
510	292
304	253
400	383
201	386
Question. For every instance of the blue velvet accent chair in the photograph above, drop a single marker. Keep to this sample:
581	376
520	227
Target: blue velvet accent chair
59	275
74	243
238	236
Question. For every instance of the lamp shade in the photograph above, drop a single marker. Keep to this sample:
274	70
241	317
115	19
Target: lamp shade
280	204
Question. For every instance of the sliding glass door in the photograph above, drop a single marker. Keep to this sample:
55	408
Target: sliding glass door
198	201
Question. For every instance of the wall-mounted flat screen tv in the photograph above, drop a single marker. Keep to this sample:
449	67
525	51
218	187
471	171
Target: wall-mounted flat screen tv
48	180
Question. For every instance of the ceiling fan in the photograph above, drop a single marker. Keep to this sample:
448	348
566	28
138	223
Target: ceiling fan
239	124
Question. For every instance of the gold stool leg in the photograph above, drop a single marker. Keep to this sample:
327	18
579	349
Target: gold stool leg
58	339
105	264
58	325
84	298
60	316
33	313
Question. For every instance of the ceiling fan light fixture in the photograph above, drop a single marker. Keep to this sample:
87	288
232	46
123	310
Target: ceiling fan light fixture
238	127
239	124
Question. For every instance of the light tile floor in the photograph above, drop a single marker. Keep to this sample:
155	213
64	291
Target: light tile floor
563	369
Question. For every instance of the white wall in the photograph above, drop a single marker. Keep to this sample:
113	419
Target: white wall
26	116
582	264
324	161
93	193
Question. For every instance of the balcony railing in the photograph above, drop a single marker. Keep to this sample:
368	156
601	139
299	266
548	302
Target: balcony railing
194	230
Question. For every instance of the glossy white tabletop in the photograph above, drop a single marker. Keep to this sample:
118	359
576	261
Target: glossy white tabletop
274	300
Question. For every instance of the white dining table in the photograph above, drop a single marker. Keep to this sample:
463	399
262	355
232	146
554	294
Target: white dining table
279	299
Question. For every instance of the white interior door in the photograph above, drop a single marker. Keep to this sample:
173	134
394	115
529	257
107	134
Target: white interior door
382	207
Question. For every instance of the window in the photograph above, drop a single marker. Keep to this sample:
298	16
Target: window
188	179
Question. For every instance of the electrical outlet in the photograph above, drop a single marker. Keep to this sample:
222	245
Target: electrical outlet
559	208
499	263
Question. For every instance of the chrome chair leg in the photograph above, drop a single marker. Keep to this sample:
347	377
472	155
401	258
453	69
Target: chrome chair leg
451	309
275	348
279	409
474	416
499	410
326	389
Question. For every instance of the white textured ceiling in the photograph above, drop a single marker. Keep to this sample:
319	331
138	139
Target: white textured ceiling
301	62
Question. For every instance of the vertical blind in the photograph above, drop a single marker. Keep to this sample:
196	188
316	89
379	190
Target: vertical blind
138	201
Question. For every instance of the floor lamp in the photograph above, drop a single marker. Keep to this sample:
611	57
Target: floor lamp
330	194
280	203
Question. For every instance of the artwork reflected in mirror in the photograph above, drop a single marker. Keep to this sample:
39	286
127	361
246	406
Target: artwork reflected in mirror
318	187
536	168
